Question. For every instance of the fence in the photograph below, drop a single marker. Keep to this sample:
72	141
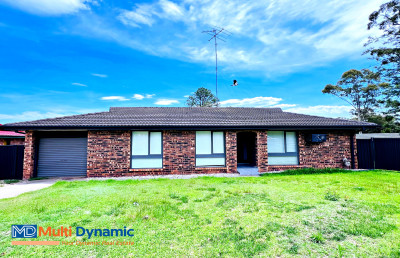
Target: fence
379	153
11	161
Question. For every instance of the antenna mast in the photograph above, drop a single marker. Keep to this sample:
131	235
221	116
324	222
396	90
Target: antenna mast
217	33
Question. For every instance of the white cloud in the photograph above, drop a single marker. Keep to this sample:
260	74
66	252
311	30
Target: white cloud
284	105
79	84
251	102
268	36
148	14
49	7
142	15
30	115
140	96
272	102
323	110
100	75
149	96
171	9
166	102
119	98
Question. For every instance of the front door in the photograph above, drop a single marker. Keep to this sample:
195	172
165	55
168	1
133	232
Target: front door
246	148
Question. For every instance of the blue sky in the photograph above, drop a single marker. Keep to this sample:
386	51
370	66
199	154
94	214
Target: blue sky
70	57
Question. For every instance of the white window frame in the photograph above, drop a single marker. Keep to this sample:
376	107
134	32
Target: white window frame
212	153
148	155
285	153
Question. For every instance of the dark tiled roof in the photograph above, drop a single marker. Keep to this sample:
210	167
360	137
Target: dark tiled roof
171	117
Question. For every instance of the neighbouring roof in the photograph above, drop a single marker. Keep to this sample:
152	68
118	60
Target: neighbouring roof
189	117
10	134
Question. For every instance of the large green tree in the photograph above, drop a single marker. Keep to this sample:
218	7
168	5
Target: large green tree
388	123
385	48
360	89
202	98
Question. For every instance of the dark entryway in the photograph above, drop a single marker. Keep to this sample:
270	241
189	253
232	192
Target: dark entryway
246	148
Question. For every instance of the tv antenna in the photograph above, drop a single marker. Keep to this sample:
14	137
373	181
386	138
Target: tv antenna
220	34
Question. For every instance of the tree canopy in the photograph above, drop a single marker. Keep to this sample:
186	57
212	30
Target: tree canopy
358	88
202	98
386	50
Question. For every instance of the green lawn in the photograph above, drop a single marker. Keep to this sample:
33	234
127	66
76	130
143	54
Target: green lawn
336	214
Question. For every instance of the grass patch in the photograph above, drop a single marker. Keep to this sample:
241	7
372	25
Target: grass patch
308	171
274	215
332	196
11	181
318	238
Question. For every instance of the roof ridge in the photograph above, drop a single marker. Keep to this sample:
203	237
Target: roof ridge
215	108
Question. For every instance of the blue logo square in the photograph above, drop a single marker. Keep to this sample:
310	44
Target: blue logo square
24	231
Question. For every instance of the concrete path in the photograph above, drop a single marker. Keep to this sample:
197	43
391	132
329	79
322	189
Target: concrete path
248	170
13	190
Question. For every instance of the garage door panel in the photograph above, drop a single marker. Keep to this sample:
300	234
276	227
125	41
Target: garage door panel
62	157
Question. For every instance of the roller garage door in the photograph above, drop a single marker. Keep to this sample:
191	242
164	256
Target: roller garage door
62	157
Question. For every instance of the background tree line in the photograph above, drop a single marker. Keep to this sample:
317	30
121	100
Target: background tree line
374	95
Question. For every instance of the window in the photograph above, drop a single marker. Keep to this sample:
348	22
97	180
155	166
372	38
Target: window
210	148
282	148
146	149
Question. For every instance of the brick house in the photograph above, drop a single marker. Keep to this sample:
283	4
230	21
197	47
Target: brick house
11	138
180	140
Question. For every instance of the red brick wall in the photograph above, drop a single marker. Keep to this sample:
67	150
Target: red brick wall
29	155
109	154
262	151
12	141
17	141
231	151
326	154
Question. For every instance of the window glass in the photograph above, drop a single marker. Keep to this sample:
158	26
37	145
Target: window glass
278	152
276	142
210	148
210	162
218	142
203	142
276	160
146	149
155	143
291	142
147	163
140	143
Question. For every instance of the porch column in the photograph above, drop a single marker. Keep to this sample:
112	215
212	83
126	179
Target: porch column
29	155
231	151
262	151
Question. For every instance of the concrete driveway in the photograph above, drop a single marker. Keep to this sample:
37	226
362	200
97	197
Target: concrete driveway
13	190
